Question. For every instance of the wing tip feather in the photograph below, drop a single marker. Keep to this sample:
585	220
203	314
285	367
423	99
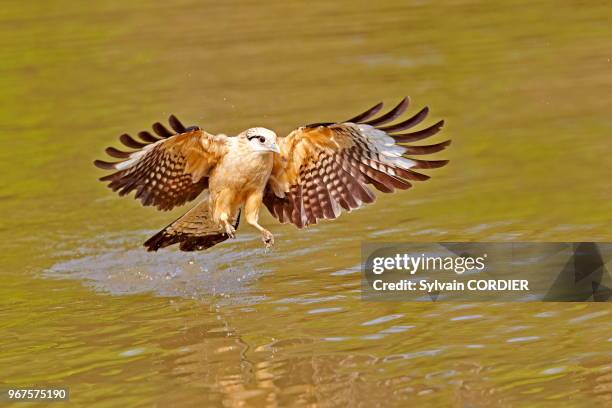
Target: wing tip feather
105	165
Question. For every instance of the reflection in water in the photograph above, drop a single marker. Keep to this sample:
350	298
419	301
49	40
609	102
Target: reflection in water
525	90
436	353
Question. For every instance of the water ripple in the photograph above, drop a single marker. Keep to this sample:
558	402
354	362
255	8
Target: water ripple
382	319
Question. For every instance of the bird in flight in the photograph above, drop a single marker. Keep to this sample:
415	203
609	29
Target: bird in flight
313	173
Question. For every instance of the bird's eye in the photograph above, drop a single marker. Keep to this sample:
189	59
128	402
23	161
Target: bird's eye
261	139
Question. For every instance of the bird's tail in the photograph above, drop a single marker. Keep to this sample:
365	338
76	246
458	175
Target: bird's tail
194	231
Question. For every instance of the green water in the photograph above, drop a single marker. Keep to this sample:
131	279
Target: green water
526	92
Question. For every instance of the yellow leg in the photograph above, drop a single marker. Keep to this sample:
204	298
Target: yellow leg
222	211
251	213
229	228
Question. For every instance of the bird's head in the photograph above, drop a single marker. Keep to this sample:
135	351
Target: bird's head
261	140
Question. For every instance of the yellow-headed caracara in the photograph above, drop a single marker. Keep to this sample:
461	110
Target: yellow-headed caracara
313	173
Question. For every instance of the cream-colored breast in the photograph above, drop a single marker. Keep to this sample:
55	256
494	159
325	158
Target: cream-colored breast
241	170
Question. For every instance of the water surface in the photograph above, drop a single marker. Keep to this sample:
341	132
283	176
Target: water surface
526	92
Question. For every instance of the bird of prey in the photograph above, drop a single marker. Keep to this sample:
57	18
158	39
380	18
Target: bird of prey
313	173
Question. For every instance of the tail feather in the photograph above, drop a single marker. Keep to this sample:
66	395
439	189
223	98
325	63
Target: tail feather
194	231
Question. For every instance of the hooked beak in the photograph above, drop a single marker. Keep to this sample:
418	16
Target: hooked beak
274	148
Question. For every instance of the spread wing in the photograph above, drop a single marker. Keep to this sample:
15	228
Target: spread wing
168	168
326	167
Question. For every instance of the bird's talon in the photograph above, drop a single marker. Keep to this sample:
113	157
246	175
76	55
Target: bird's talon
268	239
230	231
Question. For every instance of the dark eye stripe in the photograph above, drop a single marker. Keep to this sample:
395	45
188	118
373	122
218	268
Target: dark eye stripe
260	138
